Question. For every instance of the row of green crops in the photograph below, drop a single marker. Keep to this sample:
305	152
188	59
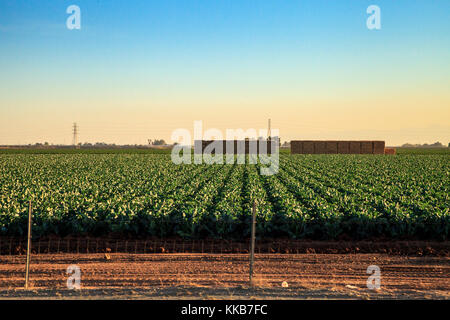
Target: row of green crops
423	151
84	150
312	197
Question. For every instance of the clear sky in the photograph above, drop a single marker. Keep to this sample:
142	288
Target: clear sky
141	69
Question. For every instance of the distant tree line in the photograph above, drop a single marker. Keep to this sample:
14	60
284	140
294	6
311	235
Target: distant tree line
157	142
425	145
88	145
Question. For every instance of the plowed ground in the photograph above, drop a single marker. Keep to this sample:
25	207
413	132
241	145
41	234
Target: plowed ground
225	276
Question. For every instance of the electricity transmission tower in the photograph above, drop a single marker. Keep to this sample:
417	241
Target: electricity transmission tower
75	135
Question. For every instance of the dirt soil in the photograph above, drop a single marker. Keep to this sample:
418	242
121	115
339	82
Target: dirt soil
225	276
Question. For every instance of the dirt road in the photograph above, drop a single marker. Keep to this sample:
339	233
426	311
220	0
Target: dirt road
215	276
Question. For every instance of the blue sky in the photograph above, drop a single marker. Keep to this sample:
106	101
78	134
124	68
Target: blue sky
306	62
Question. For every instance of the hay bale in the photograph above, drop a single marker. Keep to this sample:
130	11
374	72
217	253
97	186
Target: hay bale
206	143
378	147
296	147
251	147
228	146
343	147
355	147
238	143
390	151
269	147
366	147
199	144
320	147
337	147
331	147
308	147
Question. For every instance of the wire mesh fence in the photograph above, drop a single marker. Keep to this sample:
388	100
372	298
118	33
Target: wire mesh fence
86	245
14	246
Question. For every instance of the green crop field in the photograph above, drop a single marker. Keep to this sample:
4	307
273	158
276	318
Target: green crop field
423	151
312	196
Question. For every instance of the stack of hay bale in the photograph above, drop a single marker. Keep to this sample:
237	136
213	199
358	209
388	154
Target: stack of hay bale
337	147
235	143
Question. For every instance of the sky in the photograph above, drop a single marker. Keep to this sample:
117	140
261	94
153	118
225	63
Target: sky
139	70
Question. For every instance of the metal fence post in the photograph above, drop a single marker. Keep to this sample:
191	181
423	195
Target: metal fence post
27	270
252	245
